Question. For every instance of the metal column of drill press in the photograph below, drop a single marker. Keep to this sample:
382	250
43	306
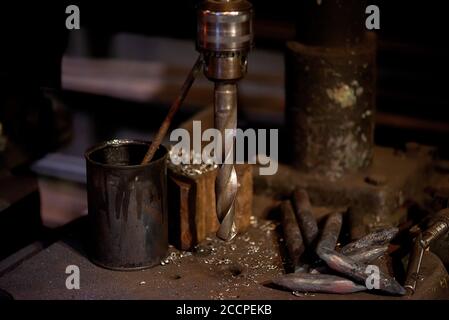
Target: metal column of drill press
224	39
330	89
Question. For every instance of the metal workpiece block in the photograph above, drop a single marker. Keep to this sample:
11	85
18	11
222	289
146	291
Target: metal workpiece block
192	211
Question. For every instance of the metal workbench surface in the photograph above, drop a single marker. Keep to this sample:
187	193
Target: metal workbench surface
240	269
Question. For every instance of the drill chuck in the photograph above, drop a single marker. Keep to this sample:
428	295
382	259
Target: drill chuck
224	37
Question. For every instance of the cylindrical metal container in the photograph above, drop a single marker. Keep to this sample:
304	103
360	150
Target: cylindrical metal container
330	106
127	205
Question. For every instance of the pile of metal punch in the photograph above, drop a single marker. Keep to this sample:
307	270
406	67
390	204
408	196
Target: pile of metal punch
319	267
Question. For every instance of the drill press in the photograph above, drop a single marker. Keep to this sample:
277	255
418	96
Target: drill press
224	39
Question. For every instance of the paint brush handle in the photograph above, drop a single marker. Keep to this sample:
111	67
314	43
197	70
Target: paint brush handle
173	109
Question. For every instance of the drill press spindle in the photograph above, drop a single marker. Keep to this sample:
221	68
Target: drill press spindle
224	39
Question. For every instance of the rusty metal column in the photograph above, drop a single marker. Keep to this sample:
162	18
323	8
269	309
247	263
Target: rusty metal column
330	88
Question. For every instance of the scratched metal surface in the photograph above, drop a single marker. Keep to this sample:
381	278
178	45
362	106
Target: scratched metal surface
217	270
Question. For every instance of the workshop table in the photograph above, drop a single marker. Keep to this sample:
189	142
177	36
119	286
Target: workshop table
240	269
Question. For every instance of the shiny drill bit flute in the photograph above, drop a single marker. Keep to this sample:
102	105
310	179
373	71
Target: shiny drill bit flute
224	39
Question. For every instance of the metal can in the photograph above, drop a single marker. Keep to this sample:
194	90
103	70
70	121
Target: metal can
127	205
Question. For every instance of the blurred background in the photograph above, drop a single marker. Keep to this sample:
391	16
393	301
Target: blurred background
63	91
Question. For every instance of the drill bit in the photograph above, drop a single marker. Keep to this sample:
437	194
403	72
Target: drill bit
304	215
226	182
346	265
377	238
324	283
357	271
365	255
292	235
368	254
331	232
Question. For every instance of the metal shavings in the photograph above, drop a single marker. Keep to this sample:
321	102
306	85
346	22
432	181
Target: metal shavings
444	282
224	261
253	221
175	257
244	262
189	169
268	226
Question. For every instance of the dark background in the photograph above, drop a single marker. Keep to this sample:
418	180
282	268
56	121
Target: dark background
412	57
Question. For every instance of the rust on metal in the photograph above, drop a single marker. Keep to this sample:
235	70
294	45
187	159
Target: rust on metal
330	233
304	215
330	106
292	234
